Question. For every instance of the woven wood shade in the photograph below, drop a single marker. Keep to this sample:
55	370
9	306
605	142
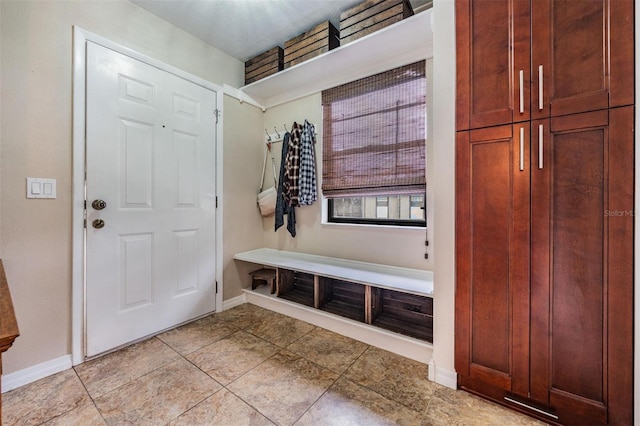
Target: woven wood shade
374	134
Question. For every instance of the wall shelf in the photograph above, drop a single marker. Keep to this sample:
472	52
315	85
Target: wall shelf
402	43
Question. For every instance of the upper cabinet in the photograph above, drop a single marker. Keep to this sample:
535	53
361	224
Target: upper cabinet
522	59
493	64
402	43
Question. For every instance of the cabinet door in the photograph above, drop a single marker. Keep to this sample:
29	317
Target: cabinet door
582	56
492	260
493	62
582	266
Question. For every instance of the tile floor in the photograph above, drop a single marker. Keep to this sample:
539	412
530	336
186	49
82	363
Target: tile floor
248	366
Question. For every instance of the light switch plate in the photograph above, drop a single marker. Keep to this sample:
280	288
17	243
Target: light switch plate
41	188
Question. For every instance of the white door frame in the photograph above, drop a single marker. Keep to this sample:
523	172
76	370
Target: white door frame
78	305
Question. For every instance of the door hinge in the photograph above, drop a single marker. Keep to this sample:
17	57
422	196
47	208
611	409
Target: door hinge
217	113
216	287
216	201
85	223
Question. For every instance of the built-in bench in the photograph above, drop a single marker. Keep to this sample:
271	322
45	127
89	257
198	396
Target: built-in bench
388	297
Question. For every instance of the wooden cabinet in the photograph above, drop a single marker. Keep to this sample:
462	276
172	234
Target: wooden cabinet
544	252
8	324
544	207
522	59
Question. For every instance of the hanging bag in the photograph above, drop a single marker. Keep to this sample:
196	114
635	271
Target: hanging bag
267	198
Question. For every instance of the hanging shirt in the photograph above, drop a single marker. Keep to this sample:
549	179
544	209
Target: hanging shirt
282	208
307	180
291	188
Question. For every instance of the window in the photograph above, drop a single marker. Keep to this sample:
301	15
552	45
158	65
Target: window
374	144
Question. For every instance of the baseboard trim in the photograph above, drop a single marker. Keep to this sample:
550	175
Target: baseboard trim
446	378
233	302
31	374
411	348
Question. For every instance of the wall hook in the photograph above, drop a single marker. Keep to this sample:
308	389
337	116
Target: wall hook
268	136
274	128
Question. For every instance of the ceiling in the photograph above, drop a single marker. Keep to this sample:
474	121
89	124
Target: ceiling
246	28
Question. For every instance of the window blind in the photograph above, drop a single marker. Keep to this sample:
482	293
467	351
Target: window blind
374	135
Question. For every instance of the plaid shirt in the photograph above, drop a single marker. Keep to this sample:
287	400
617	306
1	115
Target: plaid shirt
291	189
307	182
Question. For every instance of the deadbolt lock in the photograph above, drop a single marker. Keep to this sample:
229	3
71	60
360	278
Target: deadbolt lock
98	204
98	223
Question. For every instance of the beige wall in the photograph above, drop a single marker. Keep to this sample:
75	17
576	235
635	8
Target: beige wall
35	235
393	246
242	171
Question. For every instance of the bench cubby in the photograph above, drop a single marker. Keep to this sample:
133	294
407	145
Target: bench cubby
403	313
341	298
295	286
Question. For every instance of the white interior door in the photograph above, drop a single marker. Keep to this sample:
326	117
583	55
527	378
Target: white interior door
150	156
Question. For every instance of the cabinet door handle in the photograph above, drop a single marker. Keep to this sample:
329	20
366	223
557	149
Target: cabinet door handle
521	148
540	146
521	91
540	88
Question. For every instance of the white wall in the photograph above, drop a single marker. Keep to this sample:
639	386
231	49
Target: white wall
35	138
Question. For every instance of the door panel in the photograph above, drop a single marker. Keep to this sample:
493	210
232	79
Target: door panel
584	52
151	158
492	257
493	79
574	258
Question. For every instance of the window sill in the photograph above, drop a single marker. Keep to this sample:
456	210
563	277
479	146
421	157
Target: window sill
328	224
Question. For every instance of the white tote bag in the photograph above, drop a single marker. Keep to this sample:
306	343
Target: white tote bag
267	198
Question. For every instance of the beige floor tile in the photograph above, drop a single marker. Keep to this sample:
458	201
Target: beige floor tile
87	415
454	407
280	329
398	378
43	400
231	357
223	408
159	396
283	387
113	370
198	334
244	315
328	349
347	403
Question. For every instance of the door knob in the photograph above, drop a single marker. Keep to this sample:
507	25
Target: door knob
98	204
98	223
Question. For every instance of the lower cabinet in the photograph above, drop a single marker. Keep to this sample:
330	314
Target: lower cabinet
544	255
401	312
